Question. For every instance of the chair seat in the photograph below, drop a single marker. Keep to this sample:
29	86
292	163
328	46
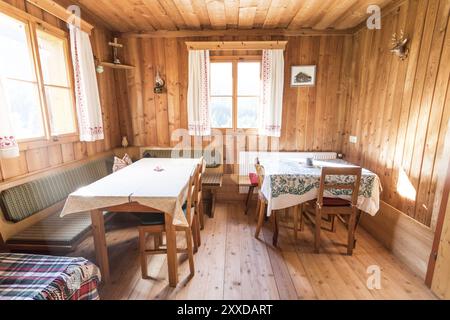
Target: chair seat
156	218
253	179
335	202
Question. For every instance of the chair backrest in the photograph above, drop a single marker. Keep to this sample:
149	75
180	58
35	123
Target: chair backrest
260	171
352	186
192	192
200	171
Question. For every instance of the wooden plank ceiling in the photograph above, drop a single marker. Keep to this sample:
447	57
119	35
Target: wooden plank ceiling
156	15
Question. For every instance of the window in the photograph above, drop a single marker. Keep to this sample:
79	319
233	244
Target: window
16	66
37	79
235	92
58	93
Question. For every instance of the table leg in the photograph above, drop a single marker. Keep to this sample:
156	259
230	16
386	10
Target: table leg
171	241
213	202
101	250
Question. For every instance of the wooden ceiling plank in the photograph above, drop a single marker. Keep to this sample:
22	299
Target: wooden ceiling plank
216	12
247	17
261	13
358	13
334	13
175	15
202	13
309	8
188	13
235	32
159	13
292	9
232	13
277	9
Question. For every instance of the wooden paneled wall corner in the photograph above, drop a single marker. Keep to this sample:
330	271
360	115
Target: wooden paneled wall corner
400	109
48	155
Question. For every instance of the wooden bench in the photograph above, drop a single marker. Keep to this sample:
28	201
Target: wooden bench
212	179
30	208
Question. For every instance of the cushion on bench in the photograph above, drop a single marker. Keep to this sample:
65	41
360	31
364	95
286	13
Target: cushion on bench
213	159
55	231
24	200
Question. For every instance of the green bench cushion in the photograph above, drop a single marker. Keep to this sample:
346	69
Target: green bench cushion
213	159
22	201
55	230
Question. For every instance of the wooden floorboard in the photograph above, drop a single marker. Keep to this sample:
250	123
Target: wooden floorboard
232	264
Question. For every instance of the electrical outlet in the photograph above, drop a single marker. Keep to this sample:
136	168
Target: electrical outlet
353	139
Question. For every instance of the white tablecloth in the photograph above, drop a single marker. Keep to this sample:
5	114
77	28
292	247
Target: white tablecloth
290	182
162	190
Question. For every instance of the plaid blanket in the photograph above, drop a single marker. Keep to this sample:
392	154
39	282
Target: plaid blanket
36	277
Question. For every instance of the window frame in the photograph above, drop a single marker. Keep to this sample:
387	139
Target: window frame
234	60
32	24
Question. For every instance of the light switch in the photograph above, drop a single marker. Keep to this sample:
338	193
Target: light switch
353	139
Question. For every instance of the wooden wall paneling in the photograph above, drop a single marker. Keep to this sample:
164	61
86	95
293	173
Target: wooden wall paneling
14	167
68	154
397	75
149	100
55	156
173	85
162	117
431	113
414	126
135	86
398	107
37	159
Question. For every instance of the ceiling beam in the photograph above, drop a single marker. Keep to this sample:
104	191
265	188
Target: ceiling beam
235	32
60	12
235	45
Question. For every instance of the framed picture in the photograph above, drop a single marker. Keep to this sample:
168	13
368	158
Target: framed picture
303	76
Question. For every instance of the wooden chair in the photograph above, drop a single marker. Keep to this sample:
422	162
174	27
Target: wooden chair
254	183
153	223
336	206
261	210
199	199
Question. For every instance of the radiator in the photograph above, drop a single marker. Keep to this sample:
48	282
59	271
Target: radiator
247	160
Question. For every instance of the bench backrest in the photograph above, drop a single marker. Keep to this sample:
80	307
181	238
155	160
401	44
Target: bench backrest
22	201
213	158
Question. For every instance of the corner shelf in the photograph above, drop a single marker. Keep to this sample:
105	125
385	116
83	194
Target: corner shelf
116	66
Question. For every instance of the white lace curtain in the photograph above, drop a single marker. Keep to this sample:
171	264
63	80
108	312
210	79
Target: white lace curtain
8	145
272	92
89	110
199	121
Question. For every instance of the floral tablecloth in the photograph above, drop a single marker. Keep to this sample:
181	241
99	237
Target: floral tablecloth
290	182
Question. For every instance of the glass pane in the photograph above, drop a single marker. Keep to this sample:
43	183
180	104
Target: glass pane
247	112
221	79
249	80
221	112
15	54
25	109
59	101
53	59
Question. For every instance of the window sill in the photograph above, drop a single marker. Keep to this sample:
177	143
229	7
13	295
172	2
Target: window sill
42	143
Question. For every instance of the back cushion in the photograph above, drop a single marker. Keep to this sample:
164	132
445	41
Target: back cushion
22	201
213	159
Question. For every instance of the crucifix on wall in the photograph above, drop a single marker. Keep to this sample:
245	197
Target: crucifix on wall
115	45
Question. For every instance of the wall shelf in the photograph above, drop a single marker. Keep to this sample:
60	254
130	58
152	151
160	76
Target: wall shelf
116	66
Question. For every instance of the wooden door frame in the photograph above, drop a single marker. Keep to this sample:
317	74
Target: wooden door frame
438	231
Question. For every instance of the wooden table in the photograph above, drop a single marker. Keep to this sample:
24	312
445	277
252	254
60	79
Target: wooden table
137	188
